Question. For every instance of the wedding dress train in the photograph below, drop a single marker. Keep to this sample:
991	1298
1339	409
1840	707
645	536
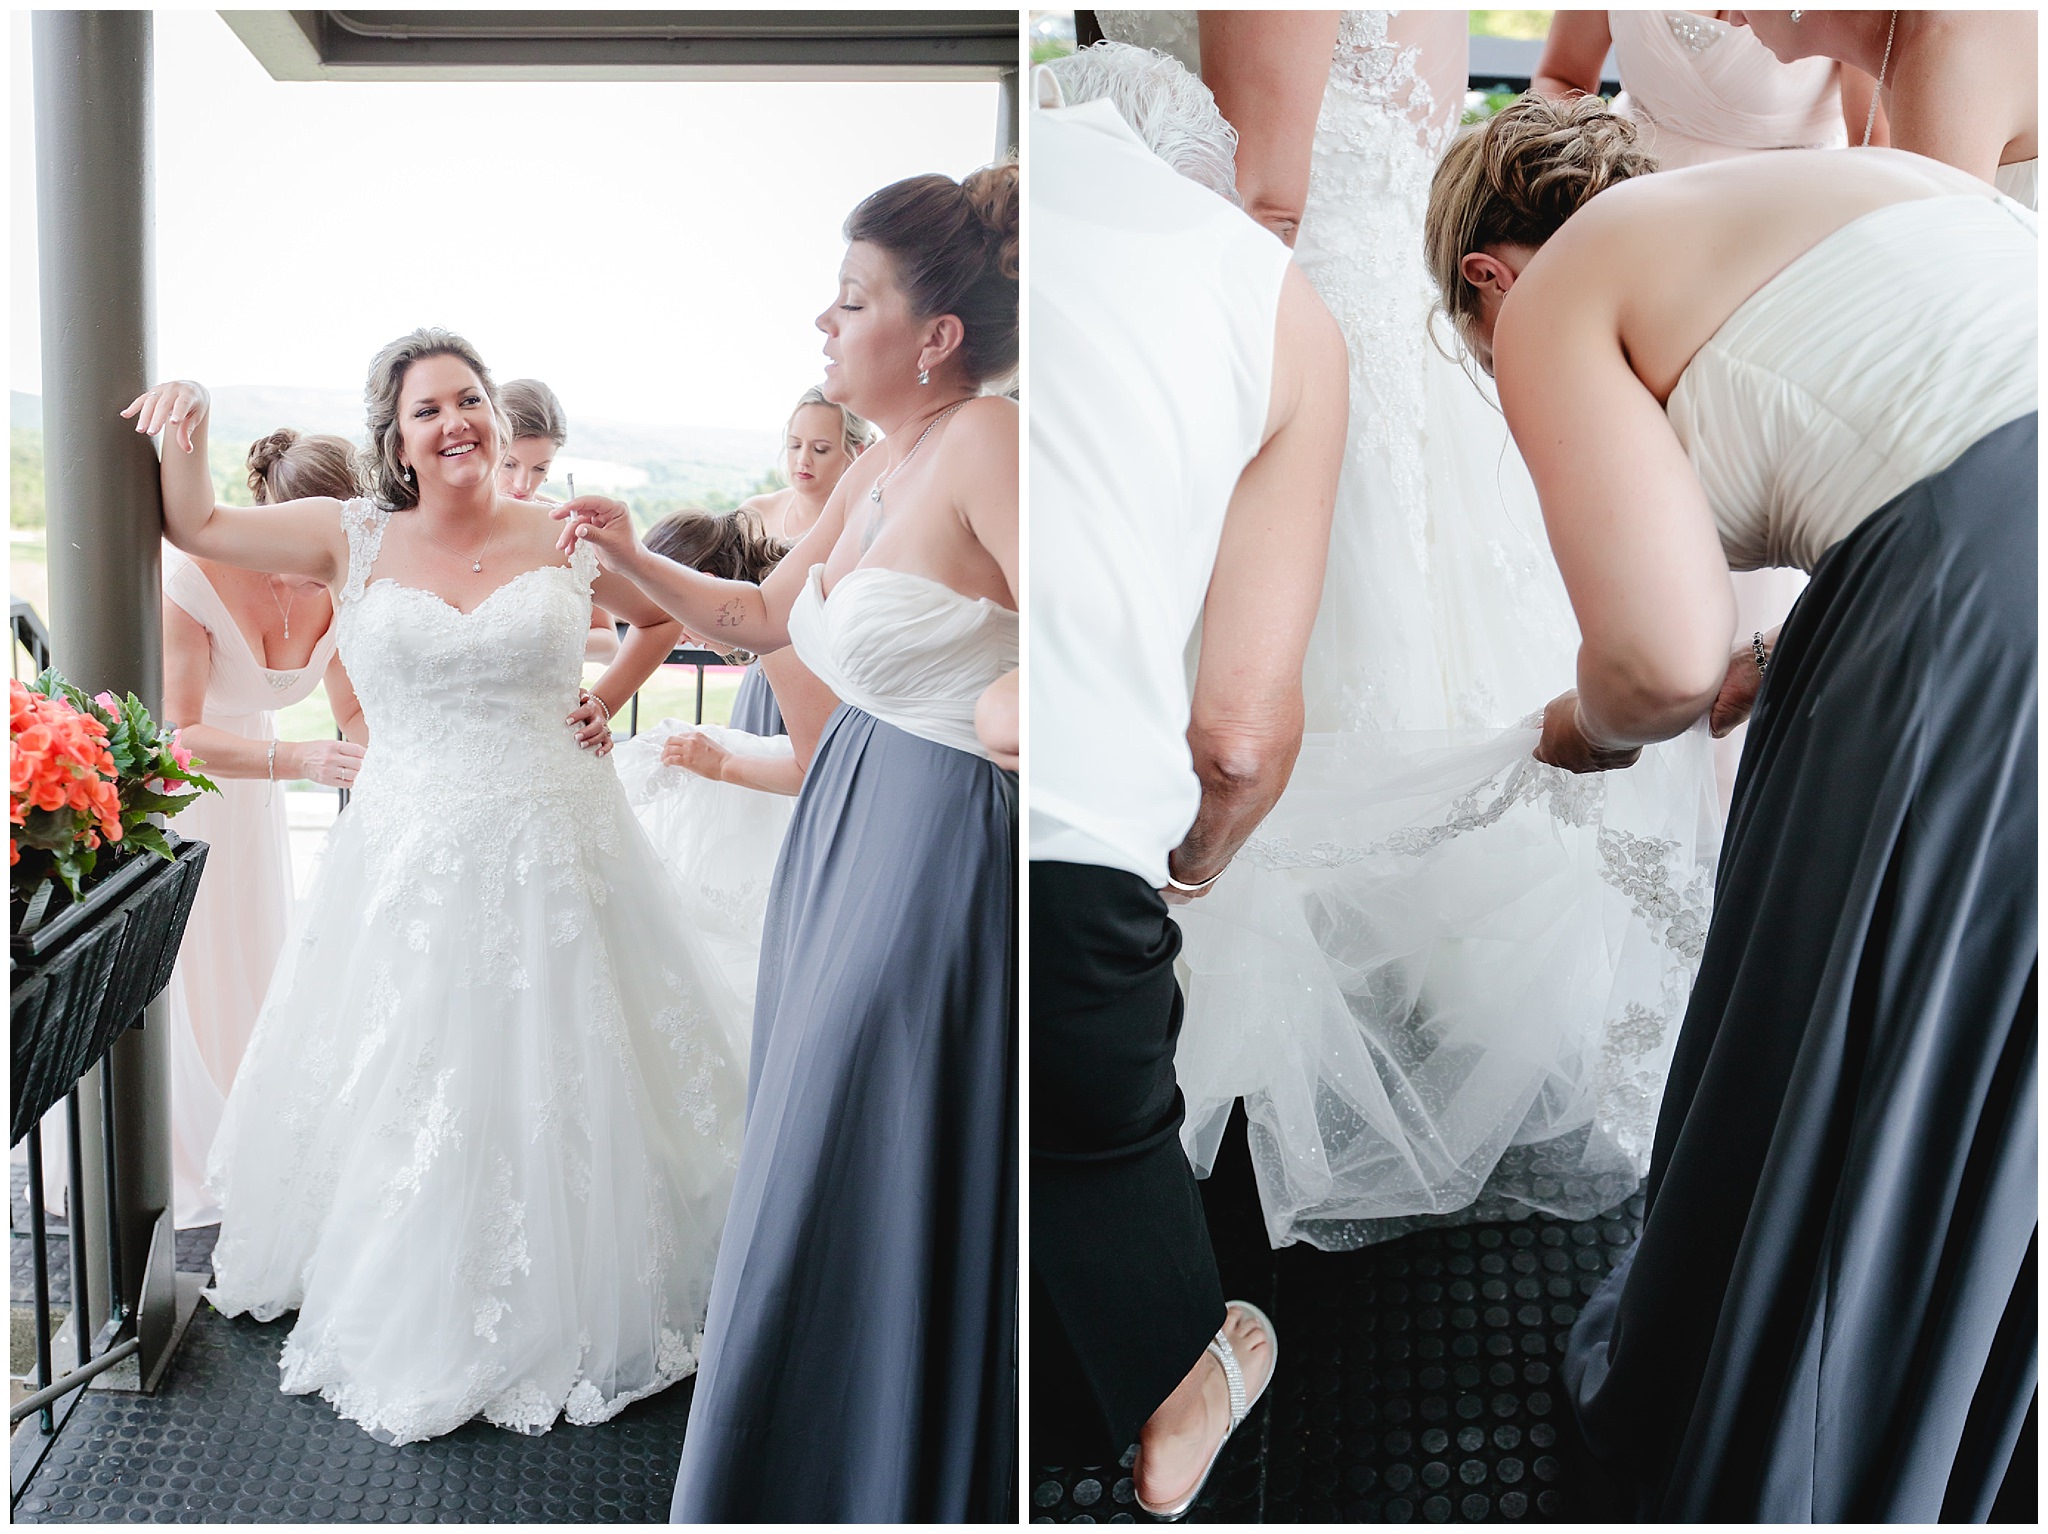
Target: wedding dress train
1444	979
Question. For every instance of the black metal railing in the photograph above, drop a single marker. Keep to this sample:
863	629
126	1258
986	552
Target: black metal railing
701	659
30	635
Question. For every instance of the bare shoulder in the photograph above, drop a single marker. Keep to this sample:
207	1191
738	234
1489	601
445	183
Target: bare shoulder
530	527
988	418
984	431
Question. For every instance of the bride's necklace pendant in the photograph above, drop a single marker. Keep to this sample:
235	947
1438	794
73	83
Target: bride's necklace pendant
475	564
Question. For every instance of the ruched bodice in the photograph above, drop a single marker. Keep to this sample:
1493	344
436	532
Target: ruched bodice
912	651
1870	362
2020	181
1705	90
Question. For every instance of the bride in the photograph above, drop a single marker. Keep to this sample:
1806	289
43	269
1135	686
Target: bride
484	1136
1444	978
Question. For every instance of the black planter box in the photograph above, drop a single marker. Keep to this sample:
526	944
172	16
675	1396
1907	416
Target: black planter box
83	977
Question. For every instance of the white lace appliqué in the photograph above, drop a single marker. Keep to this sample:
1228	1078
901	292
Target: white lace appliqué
480	1062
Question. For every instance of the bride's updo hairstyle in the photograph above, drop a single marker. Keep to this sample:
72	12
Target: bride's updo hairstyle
955	248
285	466
1515	179
381	475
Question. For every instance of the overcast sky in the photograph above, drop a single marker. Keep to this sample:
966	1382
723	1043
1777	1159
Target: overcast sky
655	252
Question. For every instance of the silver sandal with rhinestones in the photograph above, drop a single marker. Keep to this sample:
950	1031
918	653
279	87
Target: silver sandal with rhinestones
1240	1404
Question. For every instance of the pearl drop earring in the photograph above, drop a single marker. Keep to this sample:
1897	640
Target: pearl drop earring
924	375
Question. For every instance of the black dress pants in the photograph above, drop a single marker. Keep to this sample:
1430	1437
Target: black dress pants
1124	1288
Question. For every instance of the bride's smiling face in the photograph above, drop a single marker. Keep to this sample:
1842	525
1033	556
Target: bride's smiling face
872	340
447	432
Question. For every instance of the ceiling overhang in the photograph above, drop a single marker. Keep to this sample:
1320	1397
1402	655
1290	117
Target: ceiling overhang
631	45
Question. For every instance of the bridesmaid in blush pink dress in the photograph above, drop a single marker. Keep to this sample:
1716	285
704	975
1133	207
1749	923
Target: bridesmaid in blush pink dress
238	646
1701	89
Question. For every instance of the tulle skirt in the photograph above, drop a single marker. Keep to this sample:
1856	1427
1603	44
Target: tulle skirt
719	842
484	1135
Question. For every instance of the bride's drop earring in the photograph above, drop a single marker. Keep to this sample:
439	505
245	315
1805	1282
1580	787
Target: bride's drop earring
924	375
1795	17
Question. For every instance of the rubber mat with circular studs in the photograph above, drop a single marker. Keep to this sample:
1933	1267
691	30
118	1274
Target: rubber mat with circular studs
1418	1378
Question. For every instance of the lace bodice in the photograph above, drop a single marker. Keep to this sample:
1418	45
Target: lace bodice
911	651
469	745
471	697
1432	489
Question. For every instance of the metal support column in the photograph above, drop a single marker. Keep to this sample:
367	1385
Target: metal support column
1008	105
93	205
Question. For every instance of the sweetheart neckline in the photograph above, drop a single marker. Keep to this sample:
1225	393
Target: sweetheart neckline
817	577
464	612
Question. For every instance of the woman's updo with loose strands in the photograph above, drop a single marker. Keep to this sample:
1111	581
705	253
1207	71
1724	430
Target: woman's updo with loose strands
732	545
382	477
1515	179
955	247
531	410
285	466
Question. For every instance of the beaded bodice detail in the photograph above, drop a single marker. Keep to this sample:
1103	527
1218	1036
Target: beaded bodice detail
467	710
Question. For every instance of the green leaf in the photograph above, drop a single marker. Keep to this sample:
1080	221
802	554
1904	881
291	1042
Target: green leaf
149	839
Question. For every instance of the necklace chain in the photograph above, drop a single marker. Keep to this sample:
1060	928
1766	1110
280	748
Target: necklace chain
875	495
476	560
284	609
1870	117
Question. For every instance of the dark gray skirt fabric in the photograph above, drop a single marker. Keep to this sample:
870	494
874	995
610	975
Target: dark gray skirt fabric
860	1353
1831	1314
754	708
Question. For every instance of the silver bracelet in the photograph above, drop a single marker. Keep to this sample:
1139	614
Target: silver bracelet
1192	889
270	769
1763	656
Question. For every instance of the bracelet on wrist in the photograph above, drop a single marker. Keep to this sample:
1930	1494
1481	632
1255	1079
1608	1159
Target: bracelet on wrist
1191	889
270	766
1763	656
591	697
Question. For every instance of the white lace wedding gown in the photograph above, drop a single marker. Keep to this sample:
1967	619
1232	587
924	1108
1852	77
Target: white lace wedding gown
1444	978
484	1135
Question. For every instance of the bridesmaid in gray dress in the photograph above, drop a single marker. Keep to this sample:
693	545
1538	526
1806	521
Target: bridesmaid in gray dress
859	1361
1825	359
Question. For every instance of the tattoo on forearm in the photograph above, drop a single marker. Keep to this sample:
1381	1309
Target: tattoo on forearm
732	614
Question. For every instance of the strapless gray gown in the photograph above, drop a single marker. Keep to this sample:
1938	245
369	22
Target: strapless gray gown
1842	1198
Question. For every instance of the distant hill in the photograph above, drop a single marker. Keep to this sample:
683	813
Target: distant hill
682	465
